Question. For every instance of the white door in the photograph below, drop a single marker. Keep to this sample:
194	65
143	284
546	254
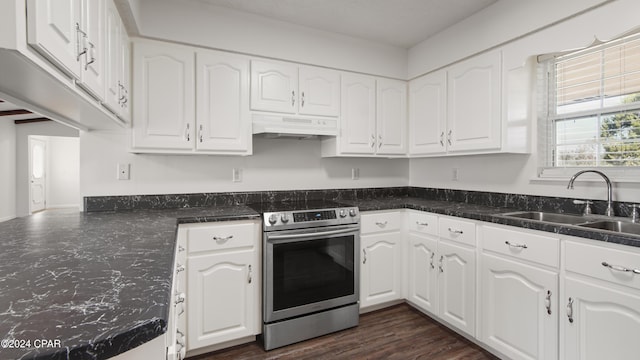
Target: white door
53	31
37	174
423	272
165	96
456	290
391	117
599	322
428	114
381	268
222	115
474	98
220	302
358	114
93	61
274	87
112	49
519	314
319	91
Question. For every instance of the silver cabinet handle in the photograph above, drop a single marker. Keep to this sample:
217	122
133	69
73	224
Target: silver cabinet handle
422	223
249	276
293	98
432	254
449	137
181	248
222	240
373	141
547	302
515	245
379	141
620	268
180	298
455	231
570	310
440	266
180	268
200	133
187	133
80	52
364	256
442	139
381	224
302	99
91	52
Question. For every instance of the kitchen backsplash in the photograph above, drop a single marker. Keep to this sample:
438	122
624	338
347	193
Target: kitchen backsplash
512	201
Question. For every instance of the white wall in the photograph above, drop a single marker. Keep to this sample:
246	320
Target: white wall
517	173
217	27
7	170
277	164
63	181
23	131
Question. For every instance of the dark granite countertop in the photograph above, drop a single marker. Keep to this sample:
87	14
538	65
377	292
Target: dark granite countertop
99	282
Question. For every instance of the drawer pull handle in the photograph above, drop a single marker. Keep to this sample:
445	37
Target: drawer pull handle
515	245
180	268
547	302
455	231
180	298
222	240
364	258
620	268
181	248
422	223
381	224
570	310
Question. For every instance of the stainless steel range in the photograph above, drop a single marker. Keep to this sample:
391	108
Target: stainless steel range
310	270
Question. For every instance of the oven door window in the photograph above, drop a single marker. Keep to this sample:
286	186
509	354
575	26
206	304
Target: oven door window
306	272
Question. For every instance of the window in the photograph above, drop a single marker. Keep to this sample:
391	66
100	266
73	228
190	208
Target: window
591	115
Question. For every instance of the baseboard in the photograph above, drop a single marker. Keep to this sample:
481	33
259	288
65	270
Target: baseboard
7	218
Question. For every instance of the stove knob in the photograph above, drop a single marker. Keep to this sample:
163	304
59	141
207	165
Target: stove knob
352	212
273	219
284	218
343	213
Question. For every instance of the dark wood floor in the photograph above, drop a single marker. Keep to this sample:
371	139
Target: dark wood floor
399	332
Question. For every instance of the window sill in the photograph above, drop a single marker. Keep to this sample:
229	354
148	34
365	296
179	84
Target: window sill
617	175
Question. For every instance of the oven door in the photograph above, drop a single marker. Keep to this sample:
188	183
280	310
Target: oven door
310	270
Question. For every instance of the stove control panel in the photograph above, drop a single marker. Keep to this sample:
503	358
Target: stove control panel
309	218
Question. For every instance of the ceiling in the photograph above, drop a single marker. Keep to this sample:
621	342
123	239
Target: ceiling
11	112
402	23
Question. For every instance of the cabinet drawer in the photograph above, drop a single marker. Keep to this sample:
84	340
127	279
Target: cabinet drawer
457	230
223	236
423	222
383	221
588	259
523	245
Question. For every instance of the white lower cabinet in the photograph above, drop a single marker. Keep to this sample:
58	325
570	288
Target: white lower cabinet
380	258
223	282
601	302
423	273
457	286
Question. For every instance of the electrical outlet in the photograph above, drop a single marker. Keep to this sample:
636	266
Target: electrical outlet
123	171
237	175
355	173
454	174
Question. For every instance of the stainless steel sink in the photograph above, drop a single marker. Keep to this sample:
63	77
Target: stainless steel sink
616	226
547	217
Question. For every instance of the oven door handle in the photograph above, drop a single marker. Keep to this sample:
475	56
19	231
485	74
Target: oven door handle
314	234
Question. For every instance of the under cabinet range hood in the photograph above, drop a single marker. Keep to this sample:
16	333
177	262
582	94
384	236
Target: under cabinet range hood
274	126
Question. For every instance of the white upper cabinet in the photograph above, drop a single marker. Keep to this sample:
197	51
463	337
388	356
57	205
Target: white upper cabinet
92	75
54	30
117	64
474	103
358	115
319	91
291	89
391	124
428	114
164	94
222	98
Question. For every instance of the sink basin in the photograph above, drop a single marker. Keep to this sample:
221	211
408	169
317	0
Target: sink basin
547	217
616	226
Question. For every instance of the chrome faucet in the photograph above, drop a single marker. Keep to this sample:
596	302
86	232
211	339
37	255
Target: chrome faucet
609	187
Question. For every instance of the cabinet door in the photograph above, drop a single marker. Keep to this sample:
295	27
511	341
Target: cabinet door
456	286
222	113
319	91
274	87
381	268
221	298
391	103
605	322
93	61
358	114
124	64
53	31
423	272
164	95
112	49
474	111
519	315
428	114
